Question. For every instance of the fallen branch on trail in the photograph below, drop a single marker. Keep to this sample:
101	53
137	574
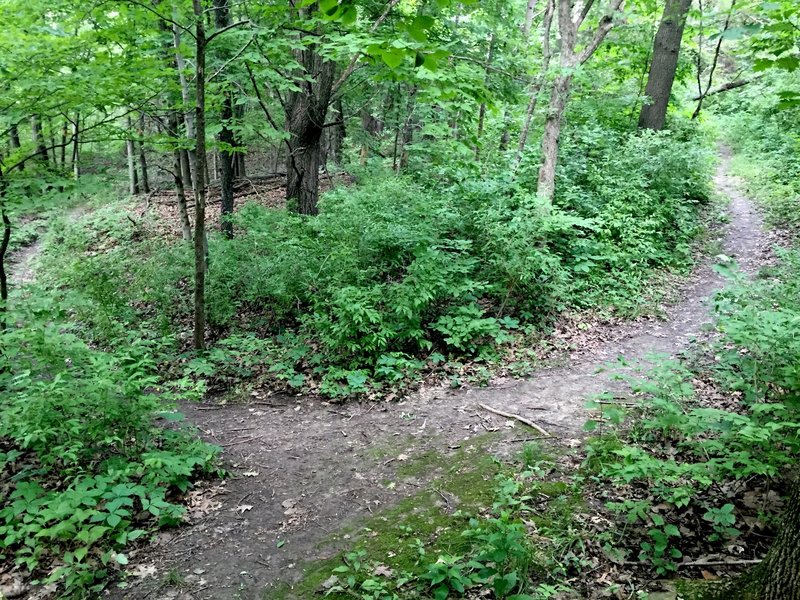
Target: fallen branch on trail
527	422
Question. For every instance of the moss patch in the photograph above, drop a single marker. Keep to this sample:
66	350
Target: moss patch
431	520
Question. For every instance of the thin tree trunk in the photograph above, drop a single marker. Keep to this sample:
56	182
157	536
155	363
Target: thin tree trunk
337	132
76	149
559	95
133	178
188	117
536	83
3	277
200	188
64	133
145	180
666	47
704	93
180	188
482	109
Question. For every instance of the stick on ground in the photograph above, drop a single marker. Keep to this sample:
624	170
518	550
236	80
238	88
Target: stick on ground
527	422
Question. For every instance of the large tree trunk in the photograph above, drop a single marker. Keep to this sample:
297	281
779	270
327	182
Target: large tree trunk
552	132
226	136
305	116
778	577
200	187
666	48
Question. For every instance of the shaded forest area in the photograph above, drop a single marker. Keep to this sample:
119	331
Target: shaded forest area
344	203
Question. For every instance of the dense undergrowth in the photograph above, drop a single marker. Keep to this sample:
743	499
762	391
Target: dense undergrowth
400	274
685	476
93	458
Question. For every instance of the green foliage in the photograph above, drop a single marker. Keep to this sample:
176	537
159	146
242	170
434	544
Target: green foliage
89	470
681	453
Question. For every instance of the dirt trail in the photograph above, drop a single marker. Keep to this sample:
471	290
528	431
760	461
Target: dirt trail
302	468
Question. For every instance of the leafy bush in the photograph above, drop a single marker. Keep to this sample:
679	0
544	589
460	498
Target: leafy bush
400	267
86	470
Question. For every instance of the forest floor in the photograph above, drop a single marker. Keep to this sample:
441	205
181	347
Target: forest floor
307	475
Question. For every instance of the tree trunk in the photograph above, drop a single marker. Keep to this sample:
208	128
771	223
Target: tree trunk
145	179
76	149
552	132
14	142
226	136
305	116
569	59
38	139
666	48
64	133
188	118
482	109
536	83
778	577
133	178
200	187
337	133
180	188
3	277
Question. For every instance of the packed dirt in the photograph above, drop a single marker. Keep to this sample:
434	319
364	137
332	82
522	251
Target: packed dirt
302	469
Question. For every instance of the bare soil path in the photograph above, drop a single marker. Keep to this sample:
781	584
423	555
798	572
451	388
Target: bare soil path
302	469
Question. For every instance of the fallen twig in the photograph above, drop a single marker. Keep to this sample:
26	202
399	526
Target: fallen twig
527	422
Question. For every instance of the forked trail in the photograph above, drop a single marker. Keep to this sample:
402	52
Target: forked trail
302	469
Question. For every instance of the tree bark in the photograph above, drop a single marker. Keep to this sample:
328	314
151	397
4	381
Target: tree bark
226	136
14	137
3	277
64	133
778	577
666	48
145	179
703	93
38	139
133	178
76	149
305	116
569	59
482	108
200	188
536	83
552	134
180	188
188	118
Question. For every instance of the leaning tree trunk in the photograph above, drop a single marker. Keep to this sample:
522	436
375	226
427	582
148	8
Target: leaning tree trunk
305	117
666	48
